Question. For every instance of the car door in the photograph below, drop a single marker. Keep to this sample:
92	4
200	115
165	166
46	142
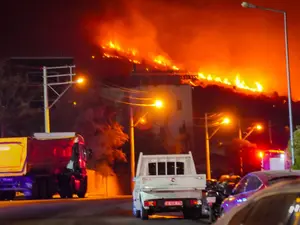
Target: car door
237	196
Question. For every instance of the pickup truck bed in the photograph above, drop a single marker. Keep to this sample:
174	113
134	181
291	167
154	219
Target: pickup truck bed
168	183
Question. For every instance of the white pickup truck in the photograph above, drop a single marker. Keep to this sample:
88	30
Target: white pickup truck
168	183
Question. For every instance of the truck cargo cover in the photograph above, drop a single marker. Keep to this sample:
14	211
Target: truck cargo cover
13	153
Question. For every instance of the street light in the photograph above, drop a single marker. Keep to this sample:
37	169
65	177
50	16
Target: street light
80	80
157	104
257	127
287	64
224	121
47	85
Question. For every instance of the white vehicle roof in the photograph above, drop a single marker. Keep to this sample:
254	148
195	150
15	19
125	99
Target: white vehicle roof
144	160
55	135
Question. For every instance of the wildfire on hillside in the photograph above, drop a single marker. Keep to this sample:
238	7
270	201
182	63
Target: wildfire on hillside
114	50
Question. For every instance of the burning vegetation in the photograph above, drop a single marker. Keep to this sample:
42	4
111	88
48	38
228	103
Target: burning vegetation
112	49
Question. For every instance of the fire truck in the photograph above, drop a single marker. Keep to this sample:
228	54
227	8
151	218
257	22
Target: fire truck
274	160
43	165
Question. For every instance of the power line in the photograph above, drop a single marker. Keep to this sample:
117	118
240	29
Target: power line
127	103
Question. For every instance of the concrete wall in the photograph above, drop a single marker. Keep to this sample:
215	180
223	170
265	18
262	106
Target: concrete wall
105	186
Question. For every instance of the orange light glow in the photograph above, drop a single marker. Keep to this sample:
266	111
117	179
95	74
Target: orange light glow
80	80
158	104
143	121
226	121
258	127
260	155
113	49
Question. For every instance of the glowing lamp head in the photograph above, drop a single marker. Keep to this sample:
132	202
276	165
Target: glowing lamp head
80	80
143	121
260	154
248	5
226	121
158	104
258	127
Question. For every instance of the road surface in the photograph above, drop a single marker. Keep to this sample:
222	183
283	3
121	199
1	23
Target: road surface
88	211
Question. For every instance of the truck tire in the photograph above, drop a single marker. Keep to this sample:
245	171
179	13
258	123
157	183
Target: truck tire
135	212
83	188
144	213
66	187
43	189
7	195
191	214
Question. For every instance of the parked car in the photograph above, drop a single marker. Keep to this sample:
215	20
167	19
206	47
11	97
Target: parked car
254	182
278	204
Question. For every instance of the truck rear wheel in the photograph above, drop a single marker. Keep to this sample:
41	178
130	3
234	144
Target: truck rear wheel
191	214
83	188
41	188
7	195
135	212
66	187
144	213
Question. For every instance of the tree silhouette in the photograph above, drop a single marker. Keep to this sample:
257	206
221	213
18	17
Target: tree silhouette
15	98
244	148
104	136
296	166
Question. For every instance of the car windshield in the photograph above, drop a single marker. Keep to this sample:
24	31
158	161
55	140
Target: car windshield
279	179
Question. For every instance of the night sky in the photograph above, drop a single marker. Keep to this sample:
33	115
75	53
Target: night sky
208	35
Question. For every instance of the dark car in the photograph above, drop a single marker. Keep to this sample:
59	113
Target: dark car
254	182
278	204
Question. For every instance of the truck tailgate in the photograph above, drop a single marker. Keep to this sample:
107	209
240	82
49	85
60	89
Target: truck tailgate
164	183
13	152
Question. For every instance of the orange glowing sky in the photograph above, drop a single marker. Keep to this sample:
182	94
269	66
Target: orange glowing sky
210	37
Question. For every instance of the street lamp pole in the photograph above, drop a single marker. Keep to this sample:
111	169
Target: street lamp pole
208	169
51	86
132	125
241	150
287	64
132	149
46	101
207	147
258	127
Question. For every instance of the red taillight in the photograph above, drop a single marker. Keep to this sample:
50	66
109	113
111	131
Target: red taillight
149	203
195	202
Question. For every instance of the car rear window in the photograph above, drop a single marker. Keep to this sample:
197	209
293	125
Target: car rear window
279	179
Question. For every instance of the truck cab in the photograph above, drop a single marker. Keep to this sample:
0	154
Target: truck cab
167	183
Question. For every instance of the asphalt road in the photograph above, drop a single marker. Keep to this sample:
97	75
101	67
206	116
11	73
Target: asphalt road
88	211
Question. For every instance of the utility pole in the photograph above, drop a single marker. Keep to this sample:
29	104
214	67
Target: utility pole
208	170
46	101
132	149
270	132
69	83
241	150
